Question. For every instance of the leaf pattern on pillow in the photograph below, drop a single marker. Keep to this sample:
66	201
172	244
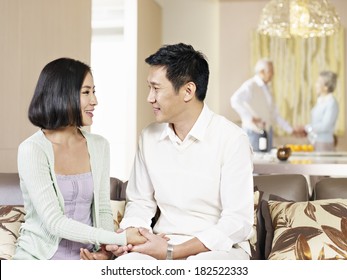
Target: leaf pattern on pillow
310	210
339	238
287	239
302	249
117	207
117	221
344	226
336	209
309	230
11	218
5	219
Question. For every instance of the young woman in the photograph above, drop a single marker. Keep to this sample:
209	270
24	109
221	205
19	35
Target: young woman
64	171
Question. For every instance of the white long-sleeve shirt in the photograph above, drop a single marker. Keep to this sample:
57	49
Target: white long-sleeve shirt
202	185
254	100
323	119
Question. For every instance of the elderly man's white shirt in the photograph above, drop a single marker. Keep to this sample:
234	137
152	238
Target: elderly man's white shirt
254	99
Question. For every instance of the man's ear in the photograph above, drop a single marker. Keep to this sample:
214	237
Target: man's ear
189	89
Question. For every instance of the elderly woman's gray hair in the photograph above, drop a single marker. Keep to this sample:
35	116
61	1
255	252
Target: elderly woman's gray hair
330	79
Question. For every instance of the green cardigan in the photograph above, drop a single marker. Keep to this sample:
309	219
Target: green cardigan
45	223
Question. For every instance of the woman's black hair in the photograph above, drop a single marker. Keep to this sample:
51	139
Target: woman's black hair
56	100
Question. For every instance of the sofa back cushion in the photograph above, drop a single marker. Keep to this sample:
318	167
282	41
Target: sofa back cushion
288	186
117	189
330	188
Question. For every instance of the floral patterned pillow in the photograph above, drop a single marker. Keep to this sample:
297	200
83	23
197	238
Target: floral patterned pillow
311	230
11	218
118	208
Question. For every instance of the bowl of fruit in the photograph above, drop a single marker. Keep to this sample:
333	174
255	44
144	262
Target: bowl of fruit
283	153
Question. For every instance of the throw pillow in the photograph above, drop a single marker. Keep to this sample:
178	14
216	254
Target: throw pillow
310	230
11	218
268	223
118	207
253	240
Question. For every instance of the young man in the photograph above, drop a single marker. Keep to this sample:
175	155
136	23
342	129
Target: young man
192	164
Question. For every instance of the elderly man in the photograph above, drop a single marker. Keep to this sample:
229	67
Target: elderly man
254	103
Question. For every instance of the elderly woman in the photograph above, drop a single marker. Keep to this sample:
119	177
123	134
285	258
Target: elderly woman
320	131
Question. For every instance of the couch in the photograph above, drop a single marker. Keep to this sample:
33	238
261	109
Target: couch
288	223
293	225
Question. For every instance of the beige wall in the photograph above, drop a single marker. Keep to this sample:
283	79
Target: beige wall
196	22
149	39
33	33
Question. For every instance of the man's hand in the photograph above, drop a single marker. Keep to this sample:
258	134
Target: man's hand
156	245
134	236
257	121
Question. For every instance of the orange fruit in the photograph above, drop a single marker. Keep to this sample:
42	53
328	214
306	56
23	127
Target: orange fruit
310	148
296	148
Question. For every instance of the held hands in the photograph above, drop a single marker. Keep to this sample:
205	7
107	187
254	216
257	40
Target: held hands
156	245
134	237
299	131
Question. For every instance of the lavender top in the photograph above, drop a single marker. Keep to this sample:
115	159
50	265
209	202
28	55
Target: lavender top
77	191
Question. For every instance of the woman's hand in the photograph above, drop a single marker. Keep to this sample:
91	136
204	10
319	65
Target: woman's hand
102	254
118	250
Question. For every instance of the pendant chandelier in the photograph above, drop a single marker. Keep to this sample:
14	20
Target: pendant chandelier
303	18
